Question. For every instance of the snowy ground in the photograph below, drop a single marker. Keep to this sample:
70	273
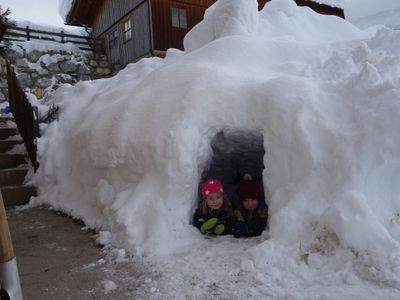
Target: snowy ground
224	270
127	154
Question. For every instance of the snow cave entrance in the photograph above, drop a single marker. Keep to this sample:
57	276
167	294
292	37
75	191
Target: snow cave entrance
235	153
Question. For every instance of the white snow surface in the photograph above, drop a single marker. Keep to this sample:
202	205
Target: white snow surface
51	28
389	18
39	45
127	153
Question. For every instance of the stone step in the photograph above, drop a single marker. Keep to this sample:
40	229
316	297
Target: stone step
6	132
13	176
5	119
17	195
8	161
6	146
7	123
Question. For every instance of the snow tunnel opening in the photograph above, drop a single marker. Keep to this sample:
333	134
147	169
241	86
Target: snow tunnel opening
234	154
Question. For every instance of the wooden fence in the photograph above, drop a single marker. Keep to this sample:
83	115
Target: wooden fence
25	115
86	43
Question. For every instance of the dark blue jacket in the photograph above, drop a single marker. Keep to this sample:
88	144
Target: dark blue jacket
250	223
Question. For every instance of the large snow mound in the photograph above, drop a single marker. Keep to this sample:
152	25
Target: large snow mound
127	153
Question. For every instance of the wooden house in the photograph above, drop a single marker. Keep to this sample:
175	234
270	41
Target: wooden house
132	29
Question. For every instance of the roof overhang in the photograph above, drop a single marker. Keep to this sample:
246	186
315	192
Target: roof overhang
83	12
318	6
322	7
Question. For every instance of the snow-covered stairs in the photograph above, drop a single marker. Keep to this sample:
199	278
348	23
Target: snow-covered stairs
13	165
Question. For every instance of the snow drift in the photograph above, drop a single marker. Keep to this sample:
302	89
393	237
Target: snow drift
127	153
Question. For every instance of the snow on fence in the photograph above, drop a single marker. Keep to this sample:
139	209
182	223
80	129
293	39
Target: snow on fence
15	33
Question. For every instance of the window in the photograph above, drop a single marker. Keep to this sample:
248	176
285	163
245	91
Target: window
127	29
112	38
178	17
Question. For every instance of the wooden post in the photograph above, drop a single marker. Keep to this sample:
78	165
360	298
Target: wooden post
10	283
62	37
28	35
6	248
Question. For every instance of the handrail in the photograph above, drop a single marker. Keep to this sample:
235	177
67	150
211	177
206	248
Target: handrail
25	115
3	29
14	33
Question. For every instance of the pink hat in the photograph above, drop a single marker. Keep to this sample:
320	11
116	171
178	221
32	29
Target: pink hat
211	186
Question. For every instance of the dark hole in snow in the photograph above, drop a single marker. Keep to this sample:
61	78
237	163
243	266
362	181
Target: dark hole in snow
235	153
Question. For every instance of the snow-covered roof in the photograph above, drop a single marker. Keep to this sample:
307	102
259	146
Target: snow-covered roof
64	8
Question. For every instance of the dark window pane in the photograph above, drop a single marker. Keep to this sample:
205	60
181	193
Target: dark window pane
182	18
174	17
127	25
112	38
127	30
128	35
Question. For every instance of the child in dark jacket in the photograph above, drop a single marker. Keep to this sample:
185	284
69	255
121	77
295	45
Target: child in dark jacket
214	215
252	215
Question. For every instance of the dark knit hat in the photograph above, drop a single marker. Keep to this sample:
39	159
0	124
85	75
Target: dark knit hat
247	188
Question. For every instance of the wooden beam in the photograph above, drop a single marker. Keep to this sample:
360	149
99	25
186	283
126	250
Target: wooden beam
84	12
6	248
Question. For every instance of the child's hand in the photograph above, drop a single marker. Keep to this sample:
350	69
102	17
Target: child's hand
208	225
219	229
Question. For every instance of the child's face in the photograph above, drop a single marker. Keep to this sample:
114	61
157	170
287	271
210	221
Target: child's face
250	204
215	201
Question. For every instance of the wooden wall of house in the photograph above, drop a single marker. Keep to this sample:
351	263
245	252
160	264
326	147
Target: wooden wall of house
111	12
166	36
203	3
139	45
261	4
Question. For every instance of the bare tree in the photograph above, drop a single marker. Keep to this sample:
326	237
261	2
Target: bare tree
4	21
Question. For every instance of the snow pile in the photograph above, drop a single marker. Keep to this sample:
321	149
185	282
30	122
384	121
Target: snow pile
127	153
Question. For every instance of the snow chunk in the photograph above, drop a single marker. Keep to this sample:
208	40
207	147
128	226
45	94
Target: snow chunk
104	238
108	286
